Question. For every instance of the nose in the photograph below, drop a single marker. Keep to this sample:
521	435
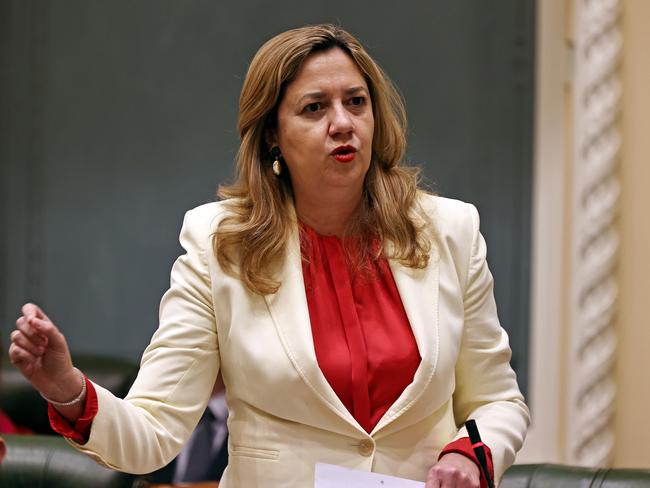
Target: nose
341	120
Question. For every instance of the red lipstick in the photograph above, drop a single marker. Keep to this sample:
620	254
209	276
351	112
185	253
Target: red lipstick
344	154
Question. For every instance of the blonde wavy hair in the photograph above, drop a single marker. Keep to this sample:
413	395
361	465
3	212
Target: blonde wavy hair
250	241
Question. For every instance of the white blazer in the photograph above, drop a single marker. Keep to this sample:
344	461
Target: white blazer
284	415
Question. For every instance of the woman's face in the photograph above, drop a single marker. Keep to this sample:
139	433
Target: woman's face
325	126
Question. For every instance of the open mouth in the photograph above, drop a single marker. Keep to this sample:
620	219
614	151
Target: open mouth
344	154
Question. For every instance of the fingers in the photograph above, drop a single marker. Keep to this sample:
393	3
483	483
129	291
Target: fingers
22	359
38	332
39	329
34	324
54	338
30	330
27	345
18	355
32	310
22	341
454	470
44	328
442	476
40	351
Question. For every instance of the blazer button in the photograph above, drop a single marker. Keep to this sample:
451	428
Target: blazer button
366	447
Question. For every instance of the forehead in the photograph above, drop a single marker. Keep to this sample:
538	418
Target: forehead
326	70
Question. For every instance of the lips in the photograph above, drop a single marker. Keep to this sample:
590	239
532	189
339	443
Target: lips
344	154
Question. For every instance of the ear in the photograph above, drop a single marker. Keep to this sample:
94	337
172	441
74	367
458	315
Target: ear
270	137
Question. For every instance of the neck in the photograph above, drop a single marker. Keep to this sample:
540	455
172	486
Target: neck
328	214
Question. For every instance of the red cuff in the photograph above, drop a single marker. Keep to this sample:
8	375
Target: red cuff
464	446
79	430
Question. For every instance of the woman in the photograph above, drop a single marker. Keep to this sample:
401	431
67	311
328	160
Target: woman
351	315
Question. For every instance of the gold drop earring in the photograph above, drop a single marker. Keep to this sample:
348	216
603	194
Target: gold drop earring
277	165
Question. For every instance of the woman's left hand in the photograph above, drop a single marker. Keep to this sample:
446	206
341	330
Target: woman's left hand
454	471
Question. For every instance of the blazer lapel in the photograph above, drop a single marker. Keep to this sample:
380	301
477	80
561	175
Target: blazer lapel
418	289
290	314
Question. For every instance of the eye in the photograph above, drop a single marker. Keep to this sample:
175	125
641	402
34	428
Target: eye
313	107
357	101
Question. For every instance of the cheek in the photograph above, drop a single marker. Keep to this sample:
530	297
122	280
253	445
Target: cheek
300	141
370	136
371	125
368	127
290	130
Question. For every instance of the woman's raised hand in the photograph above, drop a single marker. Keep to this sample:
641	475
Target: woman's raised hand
39	350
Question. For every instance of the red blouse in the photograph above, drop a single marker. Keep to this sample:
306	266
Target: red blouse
363	340
362	337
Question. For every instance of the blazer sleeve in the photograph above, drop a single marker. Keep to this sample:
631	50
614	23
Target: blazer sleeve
486	386
147	429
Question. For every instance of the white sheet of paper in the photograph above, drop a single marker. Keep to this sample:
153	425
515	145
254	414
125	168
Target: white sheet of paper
331	476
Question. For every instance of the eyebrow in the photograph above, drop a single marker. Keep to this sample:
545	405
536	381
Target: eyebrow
319	95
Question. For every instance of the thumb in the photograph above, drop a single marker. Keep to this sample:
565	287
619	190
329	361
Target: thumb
32	310
55	339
